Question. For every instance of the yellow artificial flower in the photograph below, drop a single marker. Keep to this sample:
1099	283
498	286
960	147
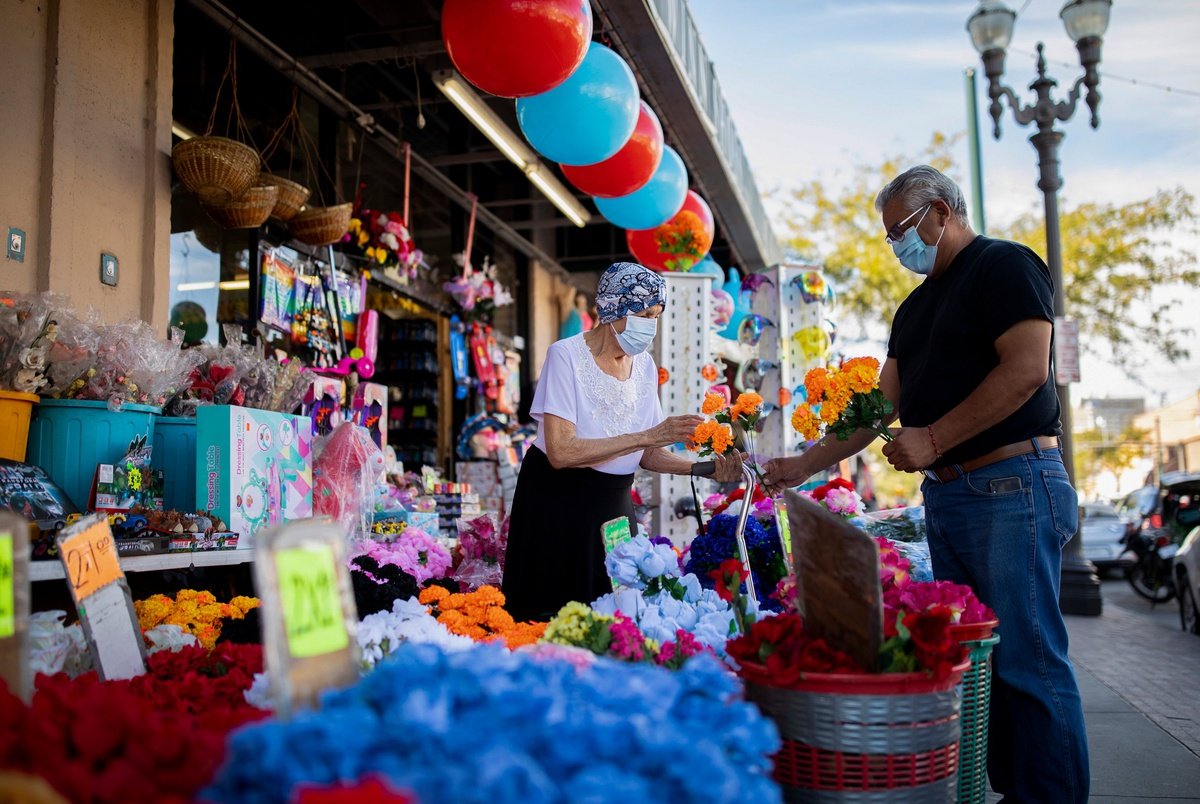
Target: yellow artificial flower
363	238
805	424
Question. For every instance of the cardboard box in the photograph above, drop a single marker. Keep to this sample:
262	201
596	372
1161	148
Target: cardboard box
253	467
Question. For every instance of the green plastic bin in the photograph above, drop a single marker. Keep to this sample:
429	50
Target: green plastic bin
976	702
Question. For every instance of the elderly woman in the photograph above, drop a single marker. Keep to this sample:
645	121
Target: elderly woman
599	419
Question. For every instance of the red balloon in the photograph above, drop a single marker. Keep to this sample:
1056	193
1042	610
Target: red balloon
516	48
630	168
644	243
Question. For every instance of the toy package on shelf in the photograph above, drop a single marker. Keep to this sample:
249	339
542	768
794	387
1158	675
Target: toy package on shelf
278	292
254	467
130	483
323	404
368	409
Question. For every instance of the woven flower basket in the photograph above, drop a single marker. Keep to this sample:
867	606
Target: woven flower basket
292	196
248	212
217	169
320	226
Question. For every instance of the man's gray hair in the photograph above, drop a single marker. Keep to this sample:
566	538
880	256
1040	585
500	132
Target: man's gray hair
923	185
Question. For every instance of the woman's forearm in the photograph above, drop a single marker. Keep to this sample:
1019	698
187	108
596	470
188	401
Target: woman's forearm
566	451
664	462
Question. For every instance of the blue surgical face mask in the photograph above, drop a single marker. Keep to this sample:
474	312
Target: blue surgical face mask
638	335
914	253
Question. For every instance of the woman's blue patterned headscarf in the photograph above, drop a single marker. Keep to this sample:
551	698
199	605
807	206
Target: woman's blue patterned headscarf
627	288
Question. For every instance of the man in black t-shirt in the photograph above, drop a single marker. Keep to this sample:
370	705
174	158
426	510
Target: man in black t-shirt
968	370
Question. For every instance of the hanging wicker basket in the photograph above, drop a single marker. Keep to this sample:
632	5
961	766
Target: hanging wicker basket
320	226
291	198
248	212
217	169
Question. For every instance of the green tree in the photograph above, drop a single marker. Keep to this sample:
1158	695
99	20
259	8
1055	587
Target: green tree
1114	256
1097	453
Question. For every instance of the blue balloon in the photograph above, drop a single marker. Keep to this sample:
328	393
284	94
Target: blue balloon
654	204
708	267
587	118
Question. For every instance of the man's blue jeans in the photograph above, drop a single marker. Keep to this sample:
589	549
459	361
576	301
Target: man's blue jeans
1000	529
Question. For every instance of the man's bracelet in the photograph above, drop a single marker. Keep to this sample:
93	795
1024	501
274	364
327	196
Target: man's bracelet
932	440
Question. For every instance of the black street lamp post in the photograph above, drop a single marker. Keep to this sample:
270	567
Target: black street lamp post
991	28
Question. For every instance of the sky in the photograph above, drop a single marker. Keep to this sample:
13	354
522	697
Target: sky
816	87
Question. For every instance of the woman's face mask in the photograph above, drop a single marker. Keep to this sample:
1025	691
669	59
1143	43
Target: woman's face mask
638	335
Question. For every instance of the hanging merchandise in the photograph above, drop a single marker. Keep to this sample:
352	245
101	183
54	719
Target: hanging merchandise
514	48
587	118
318	225
812	286
733	286
458	358
477	292
313	322
751	328
708	267
752	282
481	356
752	373
656	202
722	308
278	291
630	168
832	328
383	239
292	195
813	342
680	243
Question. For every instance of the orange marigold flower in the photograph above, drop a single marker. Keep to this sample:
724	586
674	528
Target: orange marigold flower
712	404
433	594
804	423
722	439
489	594
861	374
747	404
815	383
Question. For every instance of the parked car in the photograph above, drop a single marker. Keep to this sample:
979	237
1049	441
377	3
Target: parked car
1187	581
1103	532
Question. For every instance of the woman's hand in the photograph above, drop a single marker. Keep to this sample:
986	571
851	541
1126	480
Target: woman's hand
673	430
784	473
729	467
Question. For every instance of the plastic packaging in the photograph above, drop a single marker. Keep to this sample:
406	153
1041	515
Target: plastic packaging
482	545
346	474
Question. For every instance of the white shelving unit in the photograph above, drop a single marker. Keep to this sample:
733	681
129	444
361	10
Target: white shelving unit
53	570
684	345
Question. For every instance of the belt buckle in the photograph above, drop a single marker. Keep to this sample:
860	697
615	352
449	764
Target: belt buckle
932	475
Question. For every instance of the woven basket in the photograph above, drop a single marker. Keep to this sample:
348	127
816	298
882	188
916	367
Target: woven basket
320	226
292	196
248	212
217	169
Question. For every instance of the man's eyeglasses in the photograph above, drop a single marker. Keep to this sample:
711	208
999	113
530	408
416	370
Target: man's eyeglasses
896	233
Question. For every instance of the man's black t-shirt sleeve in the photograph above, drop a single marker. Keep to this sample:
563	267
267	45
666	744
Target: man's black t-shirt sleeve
1016	286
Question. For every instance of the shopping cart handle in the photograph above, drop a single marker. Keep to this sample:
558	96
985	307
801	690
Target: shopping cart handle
704	468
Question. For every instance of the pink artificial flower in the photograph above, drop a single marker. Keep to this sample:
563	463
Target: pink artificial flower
786	592
415	552
627	641
893	567
960	600
842	501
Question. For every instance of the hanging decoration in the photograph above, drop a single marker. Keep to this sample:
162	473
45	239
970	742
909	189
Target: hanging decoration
514	48
733	286
813	342
587	118
382	239
722	308
751	328
476	291
656	202
680	243
752	282
630	168
708	267
811	285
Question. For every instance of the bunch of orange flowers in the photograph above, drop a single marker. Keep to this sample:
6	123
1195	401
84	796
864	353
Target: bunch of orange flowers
842	400
197	613
480	615
715	436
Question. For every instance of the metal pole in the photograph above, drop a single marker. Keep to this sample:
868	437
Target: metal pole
1080	589
976	151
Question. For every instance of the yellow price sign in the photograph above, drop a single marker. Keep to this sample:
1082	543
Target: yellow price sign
8	601
311	602
90	560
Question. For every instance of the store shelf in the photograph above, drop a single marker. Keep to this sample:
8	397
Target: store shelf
53	571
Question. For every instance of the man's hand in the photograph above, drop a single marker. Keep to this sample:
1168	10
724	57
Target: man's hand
911	450
783	473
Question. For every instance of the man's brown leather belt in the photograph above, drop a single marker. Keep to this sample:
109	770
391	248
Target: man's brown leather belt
945	474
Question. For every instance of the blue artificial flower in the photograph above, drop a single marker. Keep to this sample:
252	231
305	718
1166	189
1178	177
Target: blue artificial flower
490	725
719	543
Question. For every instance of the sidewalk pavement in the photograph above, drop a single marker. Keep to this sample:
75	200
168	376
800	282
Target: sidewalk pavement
1139	675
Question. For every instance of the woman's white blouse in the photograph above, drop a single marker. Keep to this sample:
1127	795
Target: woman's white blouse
572	387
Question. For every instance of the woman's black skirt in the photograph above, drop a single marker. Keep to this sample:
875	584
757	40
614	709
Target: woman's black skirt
555	549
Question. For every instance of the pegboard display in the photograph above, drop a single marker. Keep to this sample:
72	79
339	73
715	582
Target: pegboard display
683	346
784	304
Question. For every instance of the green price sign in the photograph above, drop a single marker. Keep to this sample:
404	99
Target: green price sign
8	603
312	606
615	531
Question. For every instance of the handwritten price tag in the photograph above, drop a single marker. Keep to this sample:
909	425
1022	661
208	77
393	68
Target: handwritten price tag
8	600
90	560
312	607
615	531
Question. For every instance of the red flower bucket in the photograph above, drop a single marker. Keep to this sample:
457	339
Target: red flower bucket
857	737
